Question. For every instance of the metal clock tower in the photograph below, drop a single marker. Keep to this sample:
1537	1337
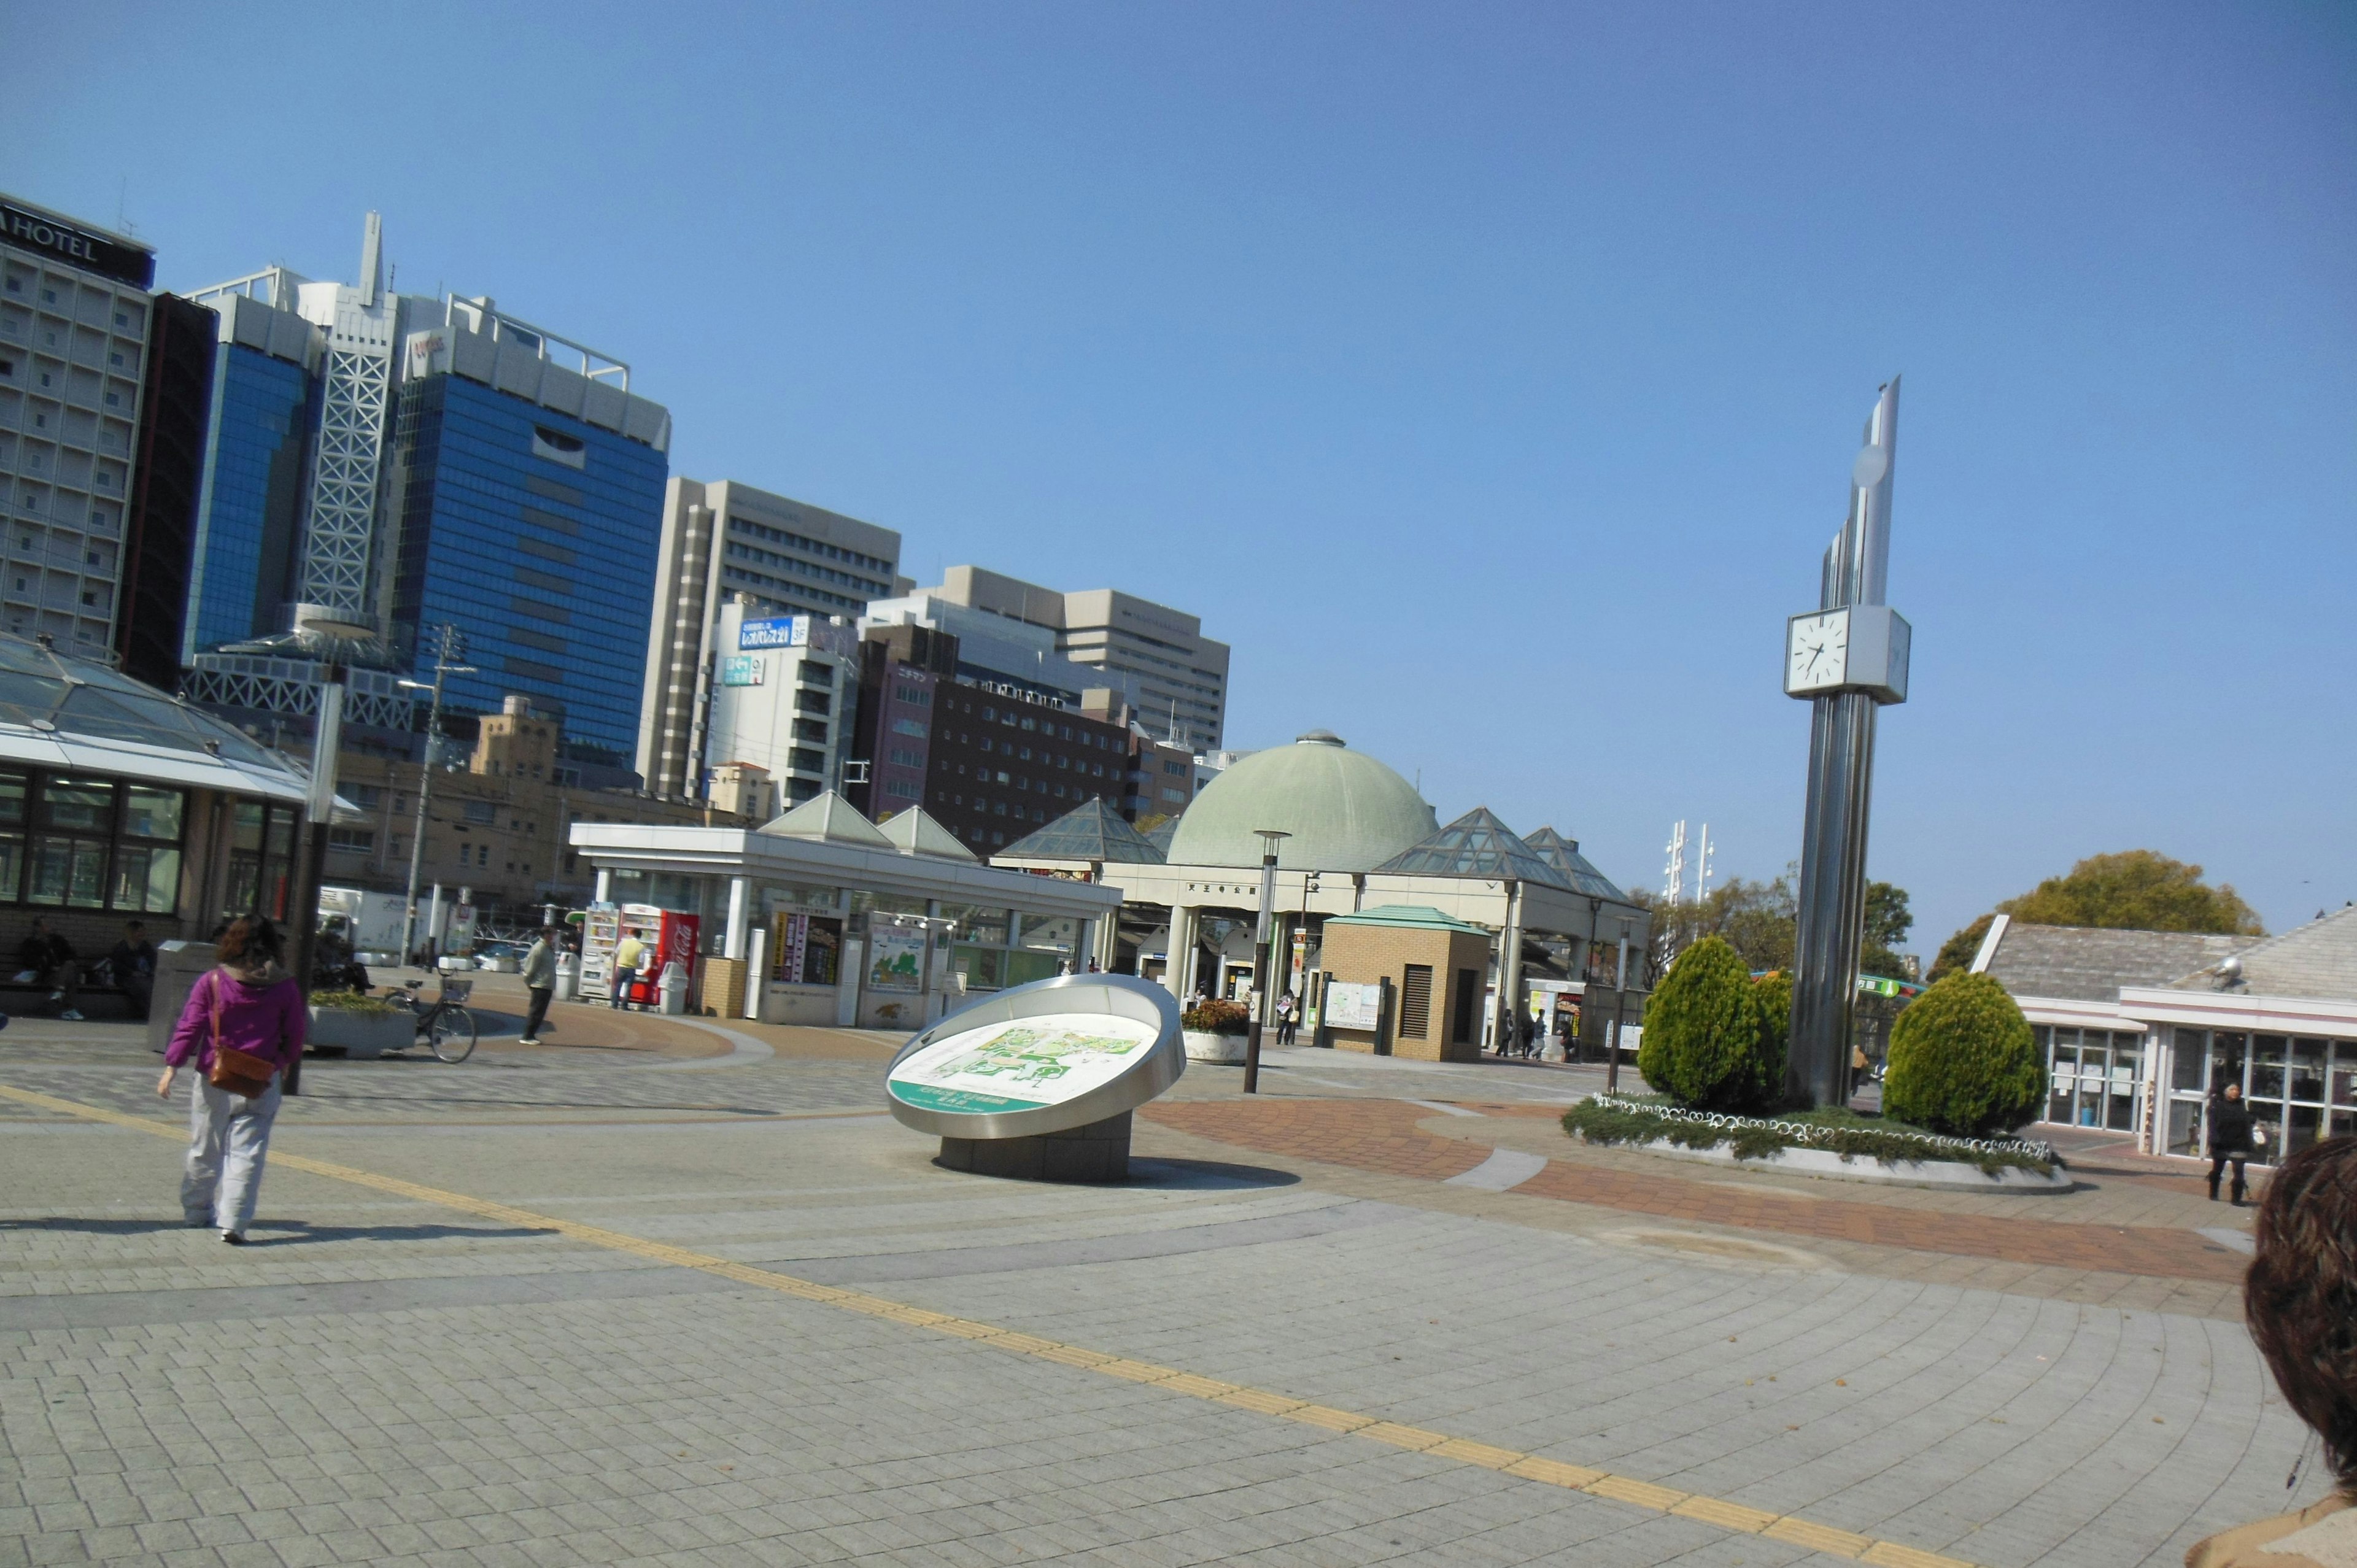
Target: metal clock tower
1847	658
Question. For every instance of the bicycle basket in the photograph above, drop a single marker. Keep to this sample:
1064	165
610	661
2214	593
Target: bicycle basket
457	990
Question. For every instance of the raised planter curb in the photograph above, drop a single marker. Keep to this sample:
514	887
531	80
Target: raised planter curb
1202	1047
1943	1176
358	1038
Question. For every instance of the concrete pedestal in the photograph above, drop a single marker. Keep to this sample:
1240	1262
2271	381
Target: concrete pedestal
1097	1152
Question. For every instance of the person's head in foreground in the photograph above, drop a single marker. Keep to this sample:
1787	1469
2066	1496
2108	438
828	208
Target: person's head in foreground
2301	1296
251	943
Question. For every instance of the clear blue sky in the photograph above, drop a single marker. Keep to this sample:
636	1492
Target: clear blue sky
1488	376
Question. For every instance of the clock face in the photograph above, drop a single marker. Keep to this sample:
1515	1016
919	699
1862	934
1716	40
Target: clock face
1816	651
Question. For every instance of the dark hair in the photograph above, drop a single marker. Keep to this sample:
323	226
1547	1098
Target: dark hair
249	941
2301	1296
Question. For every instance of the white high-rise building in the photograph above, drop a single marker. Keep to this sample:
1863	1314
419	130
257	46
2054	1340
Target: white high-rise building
75	307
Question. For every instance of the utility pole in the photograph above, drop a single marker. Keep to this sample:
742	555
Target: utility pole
450	647
1262	965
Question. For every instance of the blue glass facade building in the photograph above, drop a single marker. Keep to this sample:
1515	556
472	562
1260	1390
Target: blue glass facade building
537	534
250	516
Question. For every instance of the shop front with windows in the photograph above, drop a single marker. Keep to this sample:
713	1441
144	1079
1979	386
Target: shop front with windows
822	918
118	802
2142	1030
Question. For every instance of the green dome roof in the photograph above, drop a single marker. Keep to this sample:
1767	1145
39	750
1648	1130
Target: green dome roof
1346	811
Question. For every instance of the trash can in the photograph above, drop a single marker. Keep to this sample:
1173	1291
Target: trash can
673	987
568	977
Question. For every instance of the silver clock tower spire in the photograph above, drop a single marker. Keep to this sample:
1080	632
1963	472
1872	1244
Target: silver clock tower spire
1848	658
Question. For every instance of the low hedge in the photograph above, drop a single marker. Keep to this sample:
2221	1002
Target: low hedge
354	1002
1617	1119
1217	1019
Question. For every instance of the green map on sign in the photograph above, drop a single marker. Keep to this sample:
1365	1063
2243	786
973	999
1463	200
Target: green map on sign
1033	1056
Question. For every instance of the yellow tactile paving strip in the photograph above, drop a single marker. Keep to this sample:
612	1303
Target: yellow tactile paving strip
1527	1466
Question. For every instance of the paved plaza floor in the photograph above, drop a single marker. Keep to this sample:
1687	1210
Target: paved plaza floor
678	1291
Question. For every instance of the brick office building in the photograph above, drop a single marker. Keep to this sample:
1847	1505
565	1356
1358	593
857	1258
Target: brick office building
991	761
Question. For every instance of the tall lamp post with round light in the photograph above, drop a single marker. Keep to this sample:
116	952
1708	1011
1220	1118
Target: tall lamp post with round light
332	632
450	648
1261	965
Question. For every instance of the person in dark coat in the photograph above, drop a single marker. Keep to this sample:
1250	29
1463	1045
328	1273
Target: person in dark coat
2230	1138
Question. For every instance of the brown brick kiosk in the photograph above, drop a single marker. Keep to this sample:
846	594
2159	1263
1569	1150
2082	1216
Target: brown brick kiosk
1434	970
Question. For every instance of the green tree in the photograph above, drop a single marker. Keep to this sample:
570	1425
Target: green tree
1704	1043
2136	890
1963	1061
1959	951
1888	921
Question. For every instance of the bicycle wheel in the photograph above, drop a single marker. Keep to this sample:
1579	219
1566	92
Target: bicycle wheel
453	1035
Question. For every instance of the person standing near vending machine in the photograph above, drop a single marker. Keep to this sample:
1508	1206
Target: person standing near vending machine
629	953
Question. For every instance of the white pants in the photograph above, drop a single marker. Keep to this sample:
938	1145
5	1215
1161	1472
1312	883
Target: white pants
228	1137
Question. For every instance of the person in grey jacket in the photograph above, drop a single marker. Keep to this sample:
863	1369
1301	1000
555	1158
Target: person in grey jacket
539	981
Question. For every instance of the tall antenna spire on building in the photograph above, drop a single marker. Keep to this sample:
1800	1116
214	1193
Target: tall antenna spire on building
372	259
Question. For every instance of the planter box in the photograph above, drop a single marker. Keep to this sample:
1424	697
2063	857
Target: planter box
360	1036
1944	1175
1203	1048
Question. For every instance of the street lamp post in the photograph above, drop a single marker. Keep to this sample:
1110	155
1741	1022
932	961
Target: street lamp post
1261	964
332	629
450	646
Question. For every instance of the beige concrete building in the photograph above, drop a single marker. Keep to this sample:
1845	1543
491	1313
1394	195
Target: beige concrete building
722	539
1173	676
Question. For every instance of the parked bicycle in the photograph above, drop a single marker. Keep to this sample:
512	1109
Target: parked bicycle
444	1023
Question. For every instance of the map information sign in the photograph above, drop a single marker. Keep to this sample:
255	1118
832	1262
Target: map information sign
1056	1054
1021	1066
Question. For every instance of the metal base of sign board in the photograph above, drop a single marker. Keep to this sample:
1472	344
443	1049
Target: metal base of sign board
1096	1153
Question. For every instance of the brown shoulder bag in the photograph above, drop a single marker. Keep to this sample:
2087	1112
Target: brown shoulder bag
233	1071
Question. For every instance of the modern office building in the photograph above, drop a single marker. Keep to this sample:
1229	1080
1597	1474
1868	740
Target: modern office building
75	309
784	690
167	474
1158	657
421	463
722	540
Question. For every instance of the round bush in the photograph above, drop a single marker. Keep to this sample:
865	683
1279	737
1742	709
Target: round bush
1963	1061
1703	1041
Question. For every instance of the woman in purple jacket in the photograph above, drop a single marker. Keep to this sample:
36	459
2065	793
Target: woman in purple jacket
250	1004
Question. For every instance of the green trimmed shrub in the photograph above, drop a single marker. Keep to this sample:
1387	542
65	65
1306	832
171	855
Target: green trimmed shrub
1705	1045
1963	1061
1774	994
1217	1018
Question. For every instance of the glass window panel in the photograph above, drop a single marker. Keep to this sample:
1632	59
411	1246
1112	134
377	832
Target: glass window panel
2190	1062
798	895
2344	1123
1050	933
2307	1121
2308	1059
2344	1074
980	968
2269	1114
245	827
152	813
86	887
2267	1053
2184	1127
1023	968
977	924
12	867
2058	1104
163	880
84	803
11	799
2120	1116
2227	1051
52	870
2127	1053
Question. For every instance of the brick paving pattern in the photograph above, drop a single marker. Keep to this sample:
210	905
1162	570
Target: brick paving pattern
1381	1135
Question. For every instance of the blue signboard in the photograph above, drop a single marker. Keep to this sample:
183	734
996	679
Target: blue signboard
777	632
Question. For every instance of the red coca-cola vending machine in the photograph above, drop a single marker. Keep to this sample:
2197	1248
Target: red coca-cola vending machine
669	939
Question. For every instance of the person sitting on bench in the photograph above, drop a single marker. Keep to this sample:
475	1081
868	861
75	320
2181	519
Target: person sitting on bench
131	966
46	958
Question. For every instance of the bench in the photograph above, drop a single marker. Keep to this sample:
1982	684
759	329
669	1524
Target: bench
29	998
